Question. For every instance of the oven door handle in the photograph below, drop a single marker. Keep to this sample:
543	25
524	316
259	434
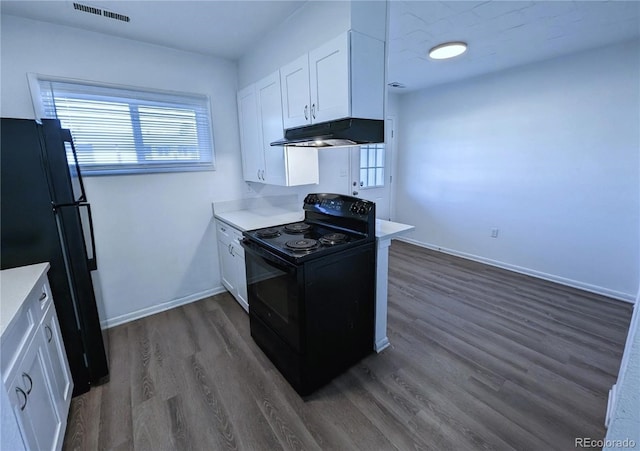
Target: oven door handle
273	260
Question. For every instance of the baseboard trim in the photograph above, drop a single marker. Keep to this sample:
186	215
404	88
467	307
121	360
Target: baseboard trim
611	405
128	317
626	297
382	345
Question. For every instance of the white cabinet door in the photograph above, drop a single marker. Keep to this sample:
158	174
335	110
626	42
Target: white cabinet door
241	276
329	80
252	151
232	261
61	380
270	119
30	394
294	78
227	268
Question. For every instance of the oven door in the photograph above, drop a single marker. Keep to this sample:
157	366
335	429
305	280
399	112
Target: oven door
274	289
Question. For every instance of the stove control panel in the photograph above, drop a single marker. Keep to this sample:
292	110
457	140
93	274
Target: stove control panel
360	208
338	205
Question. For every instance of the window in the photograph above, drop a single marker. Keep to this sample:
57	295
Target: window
118	130
371	165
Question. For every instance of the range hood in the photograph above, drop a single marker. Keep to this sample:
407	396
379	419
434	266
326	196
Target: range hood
339	133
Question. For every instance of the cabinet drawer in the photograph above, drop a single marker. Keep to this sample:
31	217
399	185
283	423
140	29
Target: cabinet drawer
24	324
16	337
224	231
40	297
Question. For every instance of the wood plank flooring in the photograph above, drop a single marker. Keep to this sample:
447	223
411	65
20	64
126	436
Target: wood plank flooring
480	358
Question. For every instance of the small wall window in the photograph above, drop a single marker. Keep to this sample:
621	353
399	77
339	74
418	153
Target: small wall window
371	165
122	130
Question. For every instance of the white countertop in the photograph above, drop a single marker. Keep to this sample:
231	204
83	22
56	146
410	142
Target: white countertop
386	230
15	286
268	216
259	218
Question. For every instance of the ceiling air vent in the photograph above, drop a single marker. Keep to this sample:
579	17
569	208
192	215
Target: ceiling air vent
100	12
87	9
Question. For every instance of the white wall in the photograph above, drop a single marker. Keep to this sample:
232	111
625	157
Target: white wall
547	153
307	28
155	242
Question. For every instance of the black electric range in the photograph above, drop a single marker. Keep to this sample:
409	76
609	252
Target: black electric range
298	242
311	289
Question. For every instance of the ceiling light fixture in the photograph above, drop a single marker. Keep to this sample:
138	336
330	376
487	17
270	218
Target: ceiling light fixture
447	50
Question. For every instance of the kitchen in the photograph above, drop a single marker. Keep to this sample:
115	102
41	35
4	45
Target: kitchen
144	269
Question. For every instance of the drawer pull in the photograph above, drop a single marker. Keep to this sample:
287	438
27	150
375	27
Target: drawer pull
223	229
25	375
24	403
43	296
49	333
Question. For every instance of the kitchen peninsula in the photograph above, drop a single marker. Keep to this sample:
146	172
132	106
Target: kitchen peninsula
255	213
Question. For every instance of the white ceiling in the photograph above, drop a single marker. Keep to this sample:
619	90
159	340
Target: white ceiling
221	28
500	34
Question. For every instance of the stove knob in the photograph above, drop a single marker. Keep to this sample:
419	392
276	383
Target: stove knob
362	210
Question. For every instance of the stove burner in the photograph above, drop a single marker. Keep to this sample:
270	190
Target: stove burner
331	239
303	244
297	227
270	232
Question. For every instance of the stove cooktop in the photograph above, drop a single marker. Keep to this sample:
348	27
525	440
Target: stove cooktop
302	240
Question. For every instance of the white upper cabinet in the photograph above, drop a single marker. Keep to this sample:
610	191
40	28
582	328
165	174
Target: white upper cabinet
342	78
329	80
252	151
295	93
270	120
261	123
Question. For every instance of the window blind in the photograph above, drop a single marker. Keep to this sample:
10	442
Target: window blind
117	130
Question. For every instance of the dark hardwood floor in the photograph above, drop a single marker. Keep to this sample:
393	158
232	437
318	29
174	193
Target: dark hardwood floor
480	358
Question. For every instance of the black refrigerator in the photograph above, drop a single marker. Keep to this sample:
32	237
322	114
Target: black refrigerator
45	217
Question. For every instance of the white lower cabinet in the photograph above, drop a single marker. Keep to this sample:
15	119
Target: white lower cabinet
35	371
31	393
232	270
61	382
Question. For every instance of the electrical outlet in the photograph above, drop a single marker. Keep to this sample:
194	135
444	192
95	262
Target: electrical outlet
494	232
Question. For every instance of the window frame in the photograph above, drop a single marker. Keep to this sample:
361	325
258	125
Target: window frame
375	167
151	98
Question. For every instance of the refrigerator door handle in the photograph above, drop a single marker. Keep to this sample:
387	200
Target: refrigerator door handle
91	259
67	138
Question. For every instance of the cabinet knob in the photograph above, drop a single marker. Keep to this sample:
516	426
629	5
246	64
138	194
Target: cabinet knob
19	391
306	112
